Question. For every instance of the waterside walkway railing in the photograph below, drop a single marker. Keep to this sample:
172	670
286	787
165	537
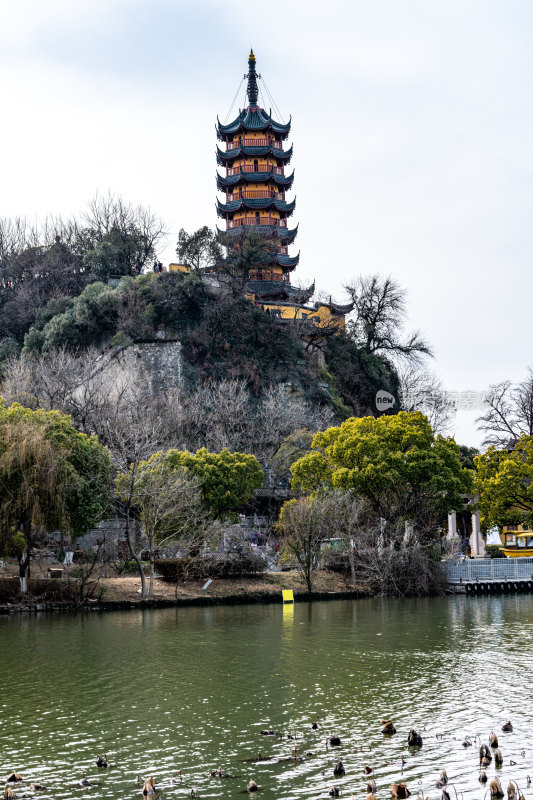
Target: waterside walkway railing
490	574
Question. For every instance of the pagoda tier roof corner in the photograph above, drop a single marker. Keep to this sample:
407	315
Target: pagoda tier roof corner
227	181
279	291
336	308
230	155
289	262
255	204
253	118
287	235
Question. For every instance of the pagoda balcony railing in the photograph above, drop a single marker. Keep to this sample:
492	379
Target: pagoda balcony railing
254	193
245	221
255	168
262	275
263	142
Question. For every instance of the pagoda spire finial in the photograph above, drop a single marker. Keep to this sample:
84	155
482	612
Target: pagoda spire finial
252	90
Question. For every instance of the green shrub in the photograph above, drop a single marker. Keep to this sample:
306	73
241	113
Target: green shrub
494	551
219	565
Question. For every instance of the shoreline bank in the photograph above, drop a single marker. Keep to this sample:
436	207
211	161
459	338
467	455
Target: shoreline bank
122	593
155	603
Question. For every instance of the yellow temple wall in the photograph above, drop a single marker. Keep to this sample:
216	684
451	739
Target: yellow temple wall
264	187
327	317
274	269
249	163
321	316
262	213
284	312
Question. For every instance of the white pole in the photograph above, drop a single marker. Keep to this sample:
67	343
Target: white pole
452	525
476	535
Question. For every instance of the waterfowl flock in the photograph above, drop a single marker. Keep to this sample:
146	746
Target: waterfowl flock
489	754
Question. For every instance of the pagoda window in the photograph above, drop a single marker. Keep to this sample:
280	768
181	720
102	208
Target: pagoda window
256	165
257	220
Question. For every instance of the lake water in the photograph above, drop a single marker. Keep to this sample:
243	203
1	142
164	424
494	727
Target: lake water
191	689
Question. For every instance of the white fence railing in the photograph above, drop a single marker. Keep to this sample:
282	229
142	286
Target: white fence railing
475	569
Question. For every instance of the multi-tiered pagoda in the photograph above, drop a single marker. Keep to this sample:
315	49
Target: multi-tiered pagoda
255	183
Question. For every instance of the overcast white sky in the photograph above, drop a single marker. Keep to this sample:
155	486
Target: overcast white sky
412	131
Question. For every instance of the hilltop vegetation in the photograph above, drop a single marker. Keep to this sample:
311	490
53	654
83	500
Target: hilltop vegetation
55	292
222	337
57	260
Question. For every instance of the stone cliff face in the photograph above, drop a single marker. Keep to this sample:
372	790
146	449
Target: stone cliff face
160	362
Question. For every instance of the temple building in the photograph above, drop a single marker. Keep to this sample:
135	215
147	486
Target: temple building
256	177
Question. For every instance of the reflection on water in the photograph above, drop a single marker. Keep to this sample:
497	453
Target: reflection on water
191	689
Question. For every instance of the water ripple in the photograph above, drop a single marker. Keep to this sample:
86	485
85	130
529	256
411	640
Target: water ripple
191	689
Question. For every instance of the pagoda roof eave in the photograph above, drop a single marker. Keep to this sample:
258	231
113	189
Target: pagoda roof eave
289	262
288	235
256	204
276	290
255	177
253	118
237	152
336	308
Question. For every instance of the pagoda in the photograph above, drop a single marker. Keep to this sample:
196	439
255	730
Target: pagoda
255	159
255	185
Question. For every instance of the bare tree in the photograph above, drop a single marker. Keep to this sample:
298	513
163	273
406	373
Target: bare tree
279	414
509	412
129	421
199	250
169	504
18	384
386	558
307	523
304	527
105	213
394	563
213	415
118	236
16	235
380	316
79	383
421	390
218	414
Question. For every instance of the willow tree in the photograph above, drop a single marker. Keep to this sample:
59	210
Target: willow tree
51	477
